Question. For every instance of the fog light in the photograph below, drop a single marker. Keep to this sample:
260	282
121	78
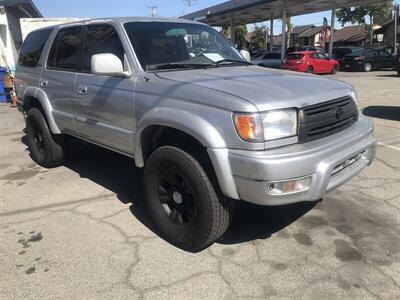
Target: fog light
289	187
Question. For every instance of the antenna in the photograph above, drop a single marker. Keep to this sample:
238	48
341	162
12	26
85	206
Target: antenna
189	4
153	10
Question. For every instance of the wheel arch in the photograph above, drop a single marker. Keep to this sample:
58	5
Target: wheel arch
183	129
34	97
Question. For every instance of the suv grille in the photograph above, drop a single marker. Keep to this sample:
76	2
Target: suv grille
324	119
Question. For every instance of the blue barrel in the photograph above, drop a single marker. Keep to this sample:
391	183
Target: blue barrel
3	97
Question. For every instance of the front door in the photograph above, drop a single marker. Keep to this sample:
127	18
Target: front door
106	103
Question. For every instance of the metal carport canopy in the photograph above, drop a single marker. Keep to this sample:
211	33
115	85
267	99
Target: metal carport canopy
253	11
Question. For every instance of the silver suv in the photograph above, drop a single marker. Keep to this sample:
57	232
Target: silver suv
208	127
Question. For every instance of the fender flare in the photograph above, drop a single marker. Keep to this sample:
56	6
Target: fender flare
198	128
184	121
41	96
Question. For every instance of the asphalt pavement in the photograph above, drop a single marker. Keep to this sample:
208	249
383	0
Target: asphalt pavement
82	231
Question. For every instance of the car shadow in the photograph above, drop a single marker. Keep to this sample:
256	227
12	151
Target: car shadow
118	174
388	75
391	113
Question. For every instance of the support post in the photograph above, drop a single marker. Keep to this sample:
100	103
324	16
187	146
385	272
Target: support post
283	37
271	37
232	30
396	18
332	31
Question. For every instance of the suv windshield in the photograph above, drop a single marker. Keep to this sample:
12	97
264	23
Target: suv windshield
169	45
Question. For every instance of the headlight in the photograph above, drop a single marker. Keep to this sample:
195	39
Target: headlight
267	126
279	124
354	95
249	126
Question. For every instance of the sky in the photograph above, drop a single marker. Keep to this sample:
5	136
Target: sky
165	8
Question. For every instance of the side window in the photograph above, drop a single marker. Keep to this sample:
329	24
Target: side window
64	53
322	56
101	39
314	56
33	47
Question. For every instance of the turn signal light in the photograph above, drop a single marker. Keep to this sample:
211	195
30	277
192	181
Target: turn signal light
289	187
249	127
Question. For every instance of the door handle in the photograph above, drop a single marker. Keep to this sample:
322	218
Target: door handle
82	90
43	83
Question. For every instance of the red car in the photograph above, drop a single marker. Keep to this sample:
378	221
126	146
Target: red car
310	62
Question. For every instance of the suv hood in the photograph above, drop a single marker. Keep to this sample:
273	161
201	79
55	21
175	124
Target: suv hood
267	89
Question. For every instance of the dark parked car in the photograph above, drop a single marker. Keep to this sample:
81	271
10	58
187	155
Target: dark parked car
368	60
339	53
397	64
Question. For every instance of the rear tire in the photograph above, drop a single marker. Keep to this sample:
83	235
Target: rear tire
335	69
183	201
45	149
310	70
367	67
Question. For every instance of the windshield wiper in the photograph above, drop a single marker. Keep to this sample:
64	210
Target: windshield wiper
169	66
236	61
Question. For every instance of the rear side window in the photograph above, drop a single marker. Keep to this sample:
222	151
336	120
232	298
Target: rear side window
295	56
33	47
64	53
101	39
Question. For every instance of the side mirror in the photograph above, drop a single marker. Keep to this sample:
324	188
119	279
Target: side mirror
108	64
246	55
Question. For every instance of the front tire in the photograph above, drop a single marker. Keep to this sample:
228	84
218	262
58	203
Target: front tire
183	201
310	70
45	149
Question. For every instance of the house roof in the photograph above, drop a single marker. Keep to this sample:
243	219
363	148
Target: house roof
26	6
301	29
351	34
385	26
311	32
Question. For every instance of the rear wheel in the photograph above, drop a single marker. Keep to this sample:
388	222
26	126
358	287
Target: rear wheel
45	149
335	69
183	201
367	67
310	70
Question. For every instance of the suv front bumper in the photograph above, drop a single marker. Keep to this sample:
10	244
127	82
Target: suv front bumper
329	161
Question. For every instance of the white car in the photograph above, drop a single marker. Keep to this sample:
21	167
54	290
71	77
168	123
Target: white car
268	60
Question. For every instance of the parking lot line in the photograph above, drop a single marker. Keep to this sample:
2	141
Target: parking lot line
389	146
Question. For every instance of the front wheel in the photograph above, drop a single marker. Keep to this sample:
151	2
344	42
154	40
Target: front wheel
183	201
310	70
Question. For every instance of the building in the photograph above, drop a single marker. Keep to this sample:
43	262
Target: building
352	36
312	36
385	36
11	11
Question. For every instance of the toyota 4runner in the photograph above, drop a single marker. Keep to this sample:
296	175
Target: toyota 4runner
208	127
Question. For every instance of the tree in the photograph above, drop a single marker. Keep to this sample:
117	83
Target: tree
240	33
258	37
377	14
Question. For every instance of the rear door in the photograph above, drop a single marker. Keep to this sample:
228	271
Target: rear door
106	103
58	76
